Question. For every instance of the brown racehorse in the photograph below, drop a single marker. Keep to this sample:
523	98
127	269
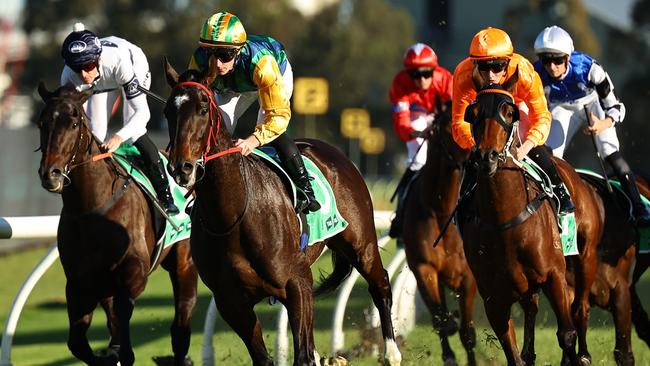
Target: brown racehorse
106	234
619	269
512	241
428	206
245	232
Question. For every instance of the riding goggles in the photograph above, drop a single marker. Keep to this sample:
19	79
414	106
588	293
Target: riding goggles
495	66
223	54
547	59
87	67
420	73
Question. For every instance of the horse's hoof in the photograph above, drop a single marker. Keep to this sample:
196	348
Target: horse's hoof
584	360
106	357
450	362
169	361
333	361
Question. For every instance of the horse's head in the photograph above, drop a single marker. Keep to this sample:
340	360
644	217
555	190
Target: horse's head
65	134
439	134
493	117
195	126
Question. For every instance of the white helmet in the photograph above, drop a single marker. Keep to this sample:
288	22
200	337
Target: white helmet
554	40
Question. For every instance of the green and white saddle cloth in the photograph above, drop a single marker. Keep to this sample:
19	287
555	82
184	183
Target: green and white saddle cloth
325	222
567	222
128	152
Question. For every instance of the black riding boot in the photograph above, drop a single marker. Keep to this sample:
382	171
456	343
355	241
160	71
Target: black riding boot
396	224
298	173
639	210
542	157
156	174
628	183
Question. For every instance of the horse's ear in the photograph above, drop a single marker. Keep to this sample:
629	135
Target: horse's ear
170	73
509	84
211	73
43	92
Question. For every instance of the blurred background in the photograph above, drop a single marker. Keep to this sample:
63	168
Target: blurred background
344	54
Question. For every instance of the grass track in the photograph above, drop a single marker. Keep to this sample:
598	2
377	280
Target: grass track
42	331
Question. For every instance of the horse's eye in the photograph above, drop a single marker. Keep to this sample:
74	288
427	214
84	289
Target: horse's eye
74	125
204	110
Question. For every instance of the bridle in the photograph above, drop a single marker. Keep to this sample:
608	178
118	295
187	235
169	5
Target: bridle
206	156
510	128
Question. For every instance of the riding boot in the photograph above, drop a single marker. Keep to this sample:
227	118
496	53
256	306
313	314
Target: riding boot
639	210
158	178
542	157
566	205
298	173
396	224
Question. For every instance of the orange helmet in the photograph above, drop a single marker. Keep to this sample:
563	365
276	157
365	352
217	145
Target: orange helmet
490	43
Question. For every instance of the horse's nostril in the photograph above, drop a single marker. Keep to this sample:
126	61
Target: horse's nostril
494	155
55	173
187	168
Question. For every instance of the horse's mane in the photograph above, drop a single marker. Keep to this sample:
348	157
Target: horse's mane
191	75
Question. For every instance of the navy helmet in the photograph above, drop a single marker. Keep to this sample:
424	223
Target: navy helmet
81	48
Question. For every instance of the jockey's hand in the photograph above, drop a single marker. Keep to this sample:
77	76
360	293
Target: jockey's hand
416	134
596	125
112	144
430	118
524	149
248	144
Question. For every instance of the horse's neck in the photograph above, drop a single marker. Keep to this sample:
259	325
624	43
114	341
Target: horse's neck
440	179
504	194
224	185
91	184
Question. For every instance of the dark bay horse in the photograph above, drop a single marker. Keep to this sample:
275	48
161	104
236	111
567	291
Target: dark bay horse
429	205
619	268
106	234
245	233
512	241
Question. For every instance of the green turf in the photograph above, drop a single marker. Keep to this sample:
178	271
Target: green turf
42	330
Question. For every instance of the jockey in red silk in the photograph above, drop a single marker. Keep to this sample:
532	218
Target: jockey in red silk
245	69
114	66
414	94
574	83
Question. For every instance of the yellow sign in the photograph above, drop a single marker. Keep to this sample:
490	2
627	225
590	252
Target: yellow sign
354	122
310	95
373	141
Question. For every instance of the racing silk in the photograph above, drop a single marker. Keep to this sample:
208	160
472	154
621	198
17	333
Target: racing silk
528	90
410	102
259	66
584	77
122	65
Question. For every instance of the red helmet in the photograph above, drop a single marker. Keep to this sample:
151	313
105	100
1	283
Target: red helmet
420	55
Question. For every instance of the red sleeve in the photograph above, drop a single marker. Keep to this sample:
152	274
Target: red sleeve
399	97
444	83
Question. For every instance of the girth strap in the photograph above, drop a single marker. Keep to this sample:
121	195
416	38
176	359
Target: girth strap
525	214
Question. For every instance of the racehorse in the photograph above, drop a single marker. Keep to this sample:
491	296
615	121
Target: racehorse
512	241
106	234
619	268
429	205
245	232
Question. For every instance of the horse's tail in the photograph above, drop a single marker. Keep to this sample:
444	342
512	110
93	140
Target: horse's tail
341	271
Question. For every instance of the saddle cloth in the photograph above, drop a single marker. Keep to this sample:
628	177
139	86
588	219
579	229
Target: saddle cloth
129	157
644	232
323	223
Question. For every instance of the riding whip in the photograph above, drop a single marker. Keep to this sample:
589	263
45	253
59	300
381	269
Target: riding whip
598	157
153	95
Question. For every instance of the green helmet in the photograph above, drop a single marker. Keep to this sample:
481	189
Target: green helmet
222	30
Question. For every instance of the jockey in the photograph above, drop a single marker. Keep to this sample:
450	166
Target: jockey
114	66
414	95
246	69
492	61
575	83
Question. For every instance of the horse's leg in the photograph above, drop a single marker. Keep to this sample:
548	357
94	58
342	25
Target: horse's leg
498	314
80	313
112	324
432	292
530	304
639	315
238	312
557	293
300	308
133	278
368	263
585	274
620	304
467	332
184	278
